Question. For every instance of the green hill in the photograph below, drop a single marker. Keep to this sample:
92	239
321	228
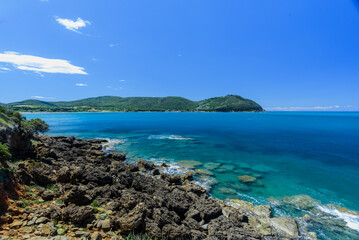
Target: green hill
230	103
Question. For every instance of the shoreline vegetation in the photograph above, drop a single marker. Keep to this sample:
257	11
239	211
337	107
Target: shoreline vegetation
229	103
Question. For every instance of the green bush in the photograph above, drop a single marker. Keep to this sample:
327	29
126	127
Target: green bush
35	125
4	153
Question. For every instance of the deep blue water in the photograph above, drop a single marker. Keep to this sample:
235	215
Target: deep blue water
312	153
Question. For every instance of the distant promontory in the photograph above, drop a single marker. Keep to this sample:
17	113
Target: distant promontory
229	103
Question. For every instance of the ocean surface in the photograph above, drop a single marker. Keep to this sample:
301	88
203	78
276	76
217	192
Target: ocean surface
289	153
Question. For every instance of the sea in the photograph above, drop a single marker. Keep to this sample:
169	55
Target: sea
301	162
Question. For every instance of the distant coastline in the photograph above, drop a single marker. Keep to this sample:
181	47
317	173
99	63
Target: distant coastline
229	103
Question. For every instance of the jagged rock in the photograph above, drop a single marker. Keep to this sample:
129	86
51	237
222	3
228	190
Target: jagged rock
175	232
106	224
77	195
96	236
77	214
194	188
286	227
144	165
172	178
16	224
163	216
41	220
131	221
48	195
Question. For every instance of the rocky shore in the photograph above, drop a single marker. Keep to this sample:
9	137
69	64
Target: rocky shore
73	189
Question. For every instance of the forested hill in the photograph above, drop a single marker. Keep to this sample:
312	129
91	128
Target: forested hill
229	103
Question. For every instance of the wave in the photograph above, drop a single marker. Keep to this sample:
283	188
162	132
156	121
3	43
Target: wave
111	143
351	220
171	137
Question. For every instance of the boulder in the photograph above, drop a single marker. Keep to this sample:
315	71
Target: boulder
144	165
77	214
48	195
131	221
286	227
16	224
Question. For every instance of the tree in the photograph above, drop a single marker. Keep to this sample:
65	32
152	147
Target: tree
35	125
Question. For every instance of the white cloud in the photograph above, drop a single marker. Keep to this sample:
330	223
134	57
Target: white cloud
81	84
73	25
113	44
122	80
4	68
41	97
39	64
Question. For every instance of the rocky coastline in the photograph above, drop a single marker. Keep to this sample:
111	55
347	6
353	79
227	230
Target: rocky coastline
72	189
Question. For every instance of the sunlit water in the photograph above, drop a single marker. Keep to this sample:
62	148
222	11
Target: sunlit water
316	154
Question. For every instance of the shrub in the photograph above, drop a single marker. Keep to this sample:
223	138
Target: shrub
4	153
35	125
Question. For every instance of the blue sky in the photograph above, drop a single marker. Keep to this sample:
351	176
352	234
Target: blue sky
284	54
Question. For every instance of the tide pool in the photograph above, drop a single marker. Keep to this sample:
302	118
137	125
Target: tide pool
284	153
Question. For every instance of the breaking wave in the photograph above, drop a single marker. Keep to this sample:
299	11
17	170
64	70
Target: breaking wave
171	137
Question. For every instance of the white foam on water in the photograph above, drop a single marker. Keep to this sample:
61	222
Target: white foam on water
110	144
171	137
351	220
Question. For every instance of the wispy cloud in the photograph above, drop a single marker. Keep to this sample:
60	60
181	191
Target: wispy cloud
4	68
73	25
315	108
41	97
81	84
113	88
122	80
40	64
113	44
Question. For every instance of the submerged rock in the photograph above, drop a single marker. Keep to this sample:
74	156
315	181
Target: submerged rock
211	165
297	201
189	163
260	211
204	172
247	179
228	167
226	190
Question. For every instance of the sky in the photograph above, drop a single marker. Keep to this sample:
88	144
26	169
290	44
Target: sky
284	54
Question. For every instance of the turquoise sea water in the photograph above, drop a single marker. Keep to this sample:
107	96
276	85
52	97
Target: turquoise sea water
290	153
